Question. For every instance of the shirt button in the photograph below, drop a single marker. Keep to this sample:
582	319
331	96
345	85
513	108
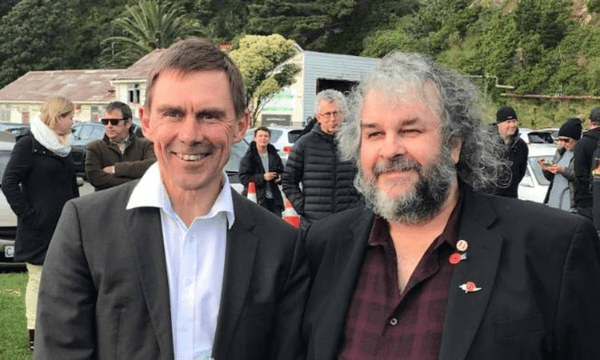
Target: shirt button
394	321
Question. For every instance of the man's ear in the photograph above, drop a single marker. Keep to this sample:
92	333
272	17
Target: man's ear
456	144
241	127
144	115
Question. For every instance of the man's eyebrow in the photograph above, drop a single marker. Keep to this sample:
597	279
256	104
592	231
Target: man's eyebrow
406	122
215	112
170	108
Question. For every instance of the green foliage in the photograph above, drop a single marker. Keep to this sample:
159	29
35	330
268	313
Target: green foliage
223	20
265	67
13	328
593	6
146	26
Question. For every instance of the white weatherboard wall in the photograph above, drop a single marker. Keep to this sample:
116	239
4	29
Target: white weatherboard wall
314	66
330	67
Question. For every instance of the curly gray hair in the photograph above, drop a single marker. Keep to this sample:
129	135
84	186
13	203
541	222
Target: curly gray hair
480	162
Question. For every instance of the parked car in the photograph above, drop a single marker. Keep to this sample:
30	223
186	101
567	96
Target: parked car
8	219
281	137
83	133
232	168
534	185
536	136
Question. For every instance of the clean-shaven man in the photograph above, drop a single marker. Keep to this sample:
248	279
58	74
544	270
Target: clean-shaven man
432	269
176	265
120	156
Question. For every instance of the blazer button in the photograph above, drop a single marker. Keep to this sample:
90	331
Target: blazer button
393	321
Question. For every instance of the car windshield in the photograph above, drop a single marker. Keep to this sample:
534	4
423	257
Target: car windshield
537	169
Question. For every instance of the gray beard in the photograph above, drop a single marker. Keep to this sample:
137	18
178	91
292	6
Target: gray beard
418	204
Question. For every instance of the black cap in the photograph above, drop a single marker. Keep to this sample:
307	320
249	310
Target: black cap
506	113
595	115
571	128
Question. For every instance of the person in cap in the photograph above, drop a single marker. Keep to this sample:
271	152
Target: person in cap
515	152
431	268
560	170
584	152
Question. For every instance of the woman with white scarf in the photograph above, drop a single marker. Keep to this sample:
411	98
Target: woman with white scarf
39	179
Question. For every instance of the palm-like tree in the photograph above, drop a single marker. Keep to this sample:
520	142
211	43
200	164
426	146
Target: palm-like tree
146	26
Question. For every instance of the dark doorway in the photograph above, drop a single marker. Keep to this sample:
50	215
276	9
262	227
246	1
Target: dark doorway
344	86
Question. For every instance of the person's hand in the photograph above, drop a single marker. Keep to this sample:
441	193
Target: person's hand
109	169
270	176
555	169
544	167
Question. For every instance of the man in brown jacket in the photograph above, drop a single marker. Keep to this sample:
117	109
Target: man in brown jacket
120	156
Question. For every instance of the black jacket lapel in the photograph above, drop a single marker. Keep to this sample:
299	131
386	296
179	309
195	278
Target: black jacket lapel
464	311
346	269
239	263
145	235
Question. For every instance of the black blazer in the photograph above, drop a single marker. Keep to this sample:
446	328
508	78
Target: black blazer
539	270
104	291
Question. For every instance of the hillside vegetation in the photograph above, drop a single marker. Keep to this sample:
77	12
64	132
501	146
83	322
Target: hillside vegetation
511	48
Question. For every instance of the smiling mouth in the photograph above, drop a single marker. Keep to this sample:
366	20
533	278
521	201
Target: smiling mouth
190	157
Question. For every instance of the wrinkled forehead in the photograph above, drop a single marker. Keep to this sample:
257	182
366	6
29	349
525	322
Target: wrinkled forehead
385	93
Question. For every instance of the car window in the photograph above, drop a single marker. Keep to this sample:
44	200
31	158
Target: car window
275	135
97	132
537	169
4	156
540	138
237	153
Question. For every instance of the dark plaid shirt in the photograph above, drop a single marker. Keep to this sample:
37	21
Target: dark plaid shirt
384	324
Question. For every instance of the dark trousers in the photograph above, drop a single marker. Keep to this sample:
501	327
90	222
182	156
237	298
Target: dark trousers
271	205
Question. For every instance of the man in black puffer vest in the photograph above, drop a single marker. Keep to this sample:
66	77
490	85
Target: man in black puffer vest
327	182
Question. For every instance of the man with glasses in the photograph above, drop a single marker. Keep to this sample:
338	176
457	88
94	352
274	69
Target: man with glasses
327	182
516	152
120	156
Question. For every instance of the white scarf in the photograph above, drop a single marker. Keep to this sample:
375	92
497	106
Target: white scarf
58	144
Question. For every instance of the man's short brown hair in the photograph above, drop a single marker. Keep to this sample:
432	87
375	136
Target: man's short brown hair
196	54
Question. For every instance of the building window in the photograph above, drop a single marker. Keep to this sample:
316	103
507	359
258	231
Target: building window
94	114
134	94
5	113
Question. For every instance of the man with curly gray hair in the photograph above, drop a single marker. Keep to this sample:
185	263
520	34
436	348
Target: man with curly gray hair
431	268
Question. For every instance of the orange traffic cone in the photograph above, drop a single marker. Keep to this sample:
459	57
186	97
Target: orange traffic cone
290	215
252	192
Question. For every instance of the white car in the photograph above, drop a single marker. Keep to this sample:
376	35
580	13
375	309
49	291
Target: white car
282	138
534	185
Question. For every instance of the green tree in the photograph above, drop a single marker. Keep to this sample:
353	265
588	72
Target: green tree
264	62
38	35
146	26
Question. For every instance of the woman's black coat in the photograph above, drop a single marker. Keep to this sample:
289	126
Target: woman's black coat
252	170
37	183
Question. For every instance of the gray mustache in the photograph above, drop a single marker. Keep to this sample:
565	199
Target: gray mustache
398	164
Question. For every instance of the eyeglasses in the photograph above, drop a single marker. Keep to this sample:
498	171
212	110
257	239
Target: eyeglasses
113	122
567	140
330	114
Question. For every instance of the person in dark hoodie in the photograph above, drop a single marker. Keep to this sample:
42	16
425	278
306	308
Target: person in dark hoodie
516	151
584	152
262	165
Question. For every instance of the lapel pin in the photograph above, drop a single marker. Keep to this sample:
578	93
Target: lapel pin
456	258
469	287
462	245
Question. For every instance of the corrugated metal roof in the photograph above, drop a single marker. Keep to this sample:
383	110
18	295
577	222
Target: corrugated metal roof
139	70
79	86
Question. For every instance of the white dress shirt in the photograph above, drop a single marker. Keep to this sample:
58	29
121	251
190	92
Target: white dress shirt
195	258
